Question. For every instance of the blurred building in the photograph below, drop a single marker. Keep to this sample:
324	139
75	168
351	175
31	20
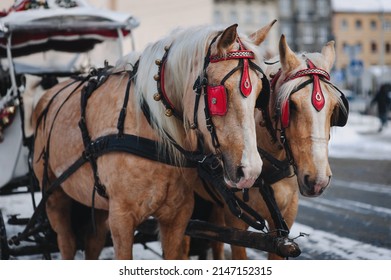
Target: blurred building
362	31
305	23
159	17
250	15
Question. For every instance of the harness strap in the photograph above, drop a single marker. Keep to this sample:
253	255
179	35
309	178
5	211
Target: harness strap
279	222
211	171
131	144
46	151
122	116
211	192
282	169
86	93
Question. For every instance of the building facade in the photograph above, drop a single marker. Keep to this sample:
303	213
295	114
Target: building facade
305	23
363	34
250	15
362	31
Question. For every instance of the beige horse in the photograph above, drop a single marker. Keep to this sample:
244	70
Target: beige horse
137	187
302	136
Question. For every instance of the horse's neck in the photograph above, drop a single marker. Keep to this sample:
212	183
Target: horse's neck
266	142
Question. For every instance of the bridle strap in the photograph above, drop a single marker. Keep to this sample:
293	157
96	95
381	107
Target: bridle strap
317	98
202	82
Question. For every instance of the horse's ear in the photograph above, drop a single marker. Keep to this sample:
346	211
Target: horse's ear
260	35
328	51
288	59
227	38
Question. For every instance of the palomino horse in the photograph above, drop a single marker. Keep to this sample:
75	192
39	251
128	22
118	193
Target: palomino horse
219	65
295	126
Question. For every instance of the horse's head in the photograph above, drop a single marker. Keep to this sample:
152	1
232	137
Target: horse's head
304	106
232	84
209	81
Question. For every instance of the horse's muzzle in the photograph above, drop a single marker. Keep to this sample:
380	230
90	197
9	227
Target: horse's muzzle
245	178
313	188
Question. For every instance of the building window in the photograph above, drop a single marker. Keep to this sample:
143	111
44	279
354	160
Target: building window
388	48
323	8
344	24
387	25
344	46
322	34
308	34
285	7
352	49
373	24
373	47
358	24
304	9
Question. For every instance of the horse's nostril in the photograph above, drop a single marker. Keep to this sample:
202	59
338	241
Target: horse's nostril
307	180
239	172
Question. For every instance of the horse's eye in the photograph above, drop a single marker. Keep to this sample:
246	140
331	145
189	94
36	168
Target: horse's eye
292	106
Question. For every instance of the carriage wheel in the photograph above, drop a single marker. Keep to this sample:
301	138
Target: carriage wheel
4	250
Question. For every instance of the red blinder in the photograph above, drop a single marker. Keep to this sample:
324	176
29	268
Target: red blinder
217	100
285	114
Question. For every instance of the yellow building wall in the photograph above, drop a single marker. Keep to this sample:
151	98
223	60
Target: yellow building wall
365	36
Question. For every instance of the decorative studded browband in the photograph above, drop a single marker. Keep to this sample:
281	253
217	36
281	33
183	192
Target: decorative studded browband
317	97
232	55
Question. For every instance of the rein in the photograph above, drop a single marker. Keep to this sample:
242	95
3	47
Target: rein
237	206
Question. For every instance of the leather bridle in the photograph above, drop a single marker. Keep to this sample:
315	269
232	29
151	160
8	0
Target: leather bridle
317	98
215	96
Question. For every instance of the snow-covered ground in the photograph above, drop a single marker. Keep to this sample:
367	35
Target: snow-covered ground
360	139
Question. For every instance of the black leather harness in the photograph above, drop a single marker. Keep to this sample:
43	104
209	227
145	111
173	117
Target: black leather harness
209	167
